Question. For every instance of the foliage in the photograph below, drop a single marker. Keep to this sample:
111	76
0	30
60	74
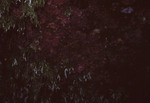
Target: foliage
85	51
17	12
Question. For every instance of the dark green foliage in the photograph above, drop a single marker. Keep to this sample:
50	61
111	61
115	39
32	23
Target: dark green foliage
15	13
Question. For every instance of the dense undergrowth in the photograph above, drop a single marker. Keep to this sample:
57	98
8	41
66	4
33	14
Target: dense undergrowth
73	51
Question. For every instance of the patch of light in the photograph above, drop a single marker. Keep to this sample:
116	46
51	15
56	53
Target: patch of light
127	10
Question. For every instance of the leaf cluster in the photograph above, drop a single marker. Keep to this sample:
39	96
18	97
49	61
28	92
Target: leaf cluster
15	13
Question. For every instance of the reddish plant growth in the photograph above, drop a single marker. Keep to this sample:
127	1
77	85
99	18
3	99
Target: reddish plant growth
91	36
